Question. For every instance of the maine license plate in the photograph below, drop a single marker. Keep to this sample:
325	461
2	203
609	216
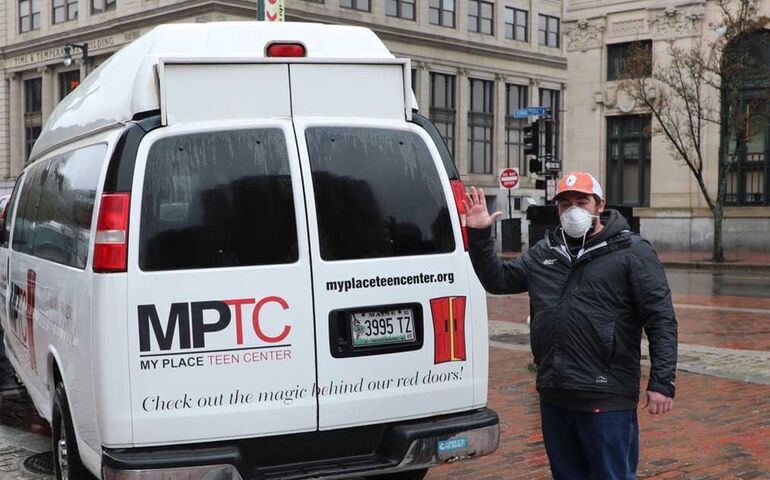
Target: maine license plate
381	328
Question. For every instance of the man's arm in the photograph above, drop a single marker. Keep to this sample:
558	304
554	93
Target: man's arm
496	276
652	298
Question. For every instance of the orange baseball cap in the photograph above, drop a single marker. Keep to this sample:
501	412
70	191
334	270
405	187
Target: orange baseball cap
582	182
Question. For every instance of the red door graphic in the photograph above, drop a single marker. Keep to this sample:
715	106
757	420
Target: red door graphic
31	281
449	327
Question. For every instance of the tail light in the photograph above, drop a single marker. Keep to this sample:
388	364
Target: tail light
458	189
281	50
111	245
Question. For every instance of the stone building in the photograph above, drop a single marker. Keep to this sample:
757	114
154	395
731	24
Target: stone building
613	136
473	63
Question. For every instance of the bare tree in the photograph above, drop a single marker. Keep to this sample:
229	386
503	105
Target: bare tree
702	83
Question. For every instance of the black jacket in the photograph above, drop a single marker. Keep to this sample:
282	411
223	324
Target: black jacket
587	314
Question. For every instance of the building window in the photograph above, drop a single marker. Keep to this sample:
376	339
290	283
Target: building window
516	24
548	31
517	96
68	81
65	10
33	96
363	5
442	107
551	99
29	15
628	160
442	12
481	17
33	106
619	55
480	120
99	6
748	170
400	8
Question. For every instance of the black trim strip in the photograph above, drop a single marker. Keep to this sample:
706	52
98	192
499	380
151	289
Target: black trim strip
120	172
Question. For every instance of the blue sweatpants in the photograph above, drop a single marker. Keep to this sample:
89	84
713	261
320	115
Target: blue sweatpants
590	446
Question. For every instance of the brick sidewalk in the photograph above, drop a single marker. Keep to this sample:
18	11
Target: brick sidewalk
719	430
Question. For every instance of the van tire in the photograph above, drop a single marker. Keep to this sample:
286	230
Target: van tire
410	475
62	430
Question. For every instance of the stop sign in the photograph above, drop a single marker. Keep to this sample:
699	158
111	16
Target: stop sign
509	178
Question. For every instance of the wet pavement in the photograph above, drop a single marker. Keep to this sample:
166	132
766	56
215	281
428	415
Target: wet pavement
719	429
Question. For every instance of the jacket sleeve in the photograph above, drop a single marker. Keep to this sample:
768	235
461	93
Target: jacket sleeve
497	276
652	300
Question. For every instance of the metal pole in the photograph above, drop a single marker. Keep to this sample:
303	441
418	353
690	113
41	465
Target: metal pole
261	10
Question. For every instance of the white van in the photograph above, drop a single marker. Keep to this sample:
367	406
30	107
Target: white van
237	253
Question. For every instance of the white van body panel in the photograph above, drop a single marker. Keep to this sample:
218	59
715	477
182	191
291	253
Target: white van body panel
365	91
183	85
126	84
226	400
395	386
63	324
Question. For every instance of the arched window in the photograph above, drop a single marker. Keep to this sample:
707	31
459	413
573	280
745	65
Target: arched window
748	167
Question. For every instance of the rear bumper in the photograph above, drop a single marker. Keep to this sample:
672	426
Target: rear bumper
336	454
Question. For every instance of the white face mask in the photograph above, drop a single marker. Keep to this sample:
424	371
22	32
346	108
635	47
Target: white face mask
576	221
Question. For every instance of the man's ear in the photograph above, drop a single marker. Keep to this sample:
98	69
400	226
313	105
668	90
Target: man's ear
600	205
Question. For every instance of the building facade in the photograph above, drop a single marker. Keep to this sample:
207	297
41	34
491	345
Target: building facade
473	63
617	139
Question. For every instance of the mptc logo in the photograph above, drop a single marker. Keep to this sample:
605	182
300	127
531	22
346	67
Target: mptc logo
186	321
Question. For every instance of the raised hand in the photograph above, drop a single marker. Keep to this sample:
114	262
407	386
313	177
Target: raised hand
476	213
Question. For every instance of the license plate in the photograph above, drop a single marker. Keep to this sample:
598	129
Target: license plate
382	328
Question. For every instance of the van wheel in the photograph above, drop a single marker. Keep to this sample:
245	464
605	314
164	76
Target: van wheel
66	458
410	475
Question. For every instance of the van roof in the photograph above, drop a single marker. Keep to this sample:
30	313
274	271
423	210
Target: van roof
127	84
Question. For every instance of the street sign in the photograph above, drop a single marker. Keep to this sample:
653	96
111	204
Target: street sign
537	111
521	113
270	10
553	166
509	178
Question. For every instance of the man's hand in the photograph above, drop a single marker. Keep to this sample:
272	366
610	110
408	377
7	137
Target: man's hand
476	213
658	404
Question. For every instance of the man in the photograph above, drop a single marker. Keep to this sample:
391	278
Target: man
593	287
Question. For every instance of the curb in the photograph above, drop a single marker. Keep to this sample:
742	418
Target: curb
714	266
706	265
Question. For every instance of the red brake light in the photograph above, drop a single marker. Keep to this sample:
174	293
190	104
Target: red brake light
111	244
458	189
286	50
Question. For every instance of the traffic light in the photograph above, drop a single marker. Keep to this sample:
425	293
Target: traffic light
536	165
532	139
548	138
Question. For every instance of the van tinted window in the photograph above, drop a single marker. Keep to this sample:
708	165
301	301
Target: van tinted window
63	223
29	203
218	199
9	213
378	194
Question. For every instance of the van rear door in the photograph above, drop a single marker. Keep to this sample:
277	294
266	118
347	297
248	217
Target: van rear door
220	315
390	274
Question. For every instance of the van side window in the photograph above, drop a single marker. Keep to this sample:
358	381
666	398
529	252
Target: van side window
11	209
218	199
29	204
377	193
63	224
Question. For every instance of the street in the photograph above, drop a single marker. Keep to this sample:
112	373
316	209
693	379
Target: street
719	429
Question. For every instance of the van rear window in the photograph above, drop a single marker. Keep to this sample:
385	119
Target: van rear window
377	193
217	199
